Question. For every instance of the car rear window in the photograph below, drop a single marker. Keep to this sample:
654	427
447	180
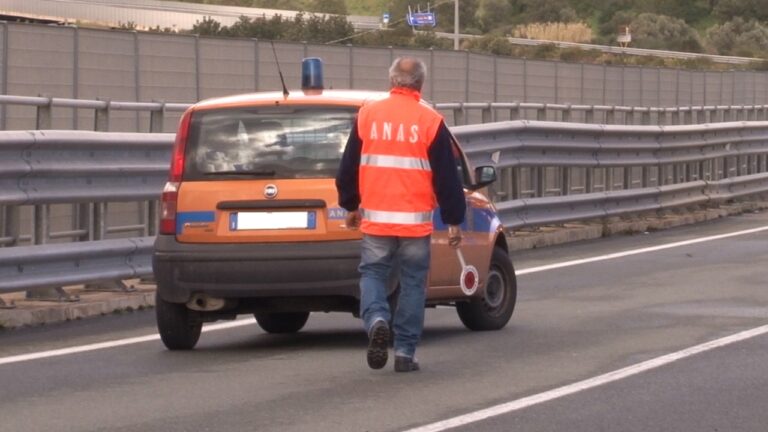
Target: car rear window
267	142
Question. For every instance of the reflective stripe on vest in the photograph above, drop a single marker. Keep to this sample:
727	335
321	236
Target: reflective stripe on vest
387	161
403	218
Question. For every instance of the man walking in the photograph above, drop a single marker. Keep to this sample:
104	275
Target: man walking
398	165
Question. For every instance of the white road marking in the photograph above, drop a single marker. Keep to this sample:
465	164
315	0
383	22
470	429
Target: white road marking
113	344
238	323
636	251
570	389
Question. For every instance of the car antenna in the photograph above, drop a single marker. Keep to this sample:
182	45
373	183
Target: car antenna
282	80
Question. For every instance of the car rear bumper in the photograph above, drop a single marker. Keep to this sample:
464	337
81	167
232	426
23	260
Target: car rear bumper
255	270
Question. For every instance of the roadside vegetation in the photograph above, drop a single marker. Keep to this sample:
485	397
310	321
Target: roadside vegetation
725	27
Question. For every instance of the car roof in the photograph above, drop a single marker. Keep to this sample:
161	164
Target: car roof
296	97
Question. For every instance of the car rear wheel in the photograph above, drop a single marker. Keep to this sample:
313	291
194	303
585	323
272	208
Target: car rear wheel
494	309
281	322
179	327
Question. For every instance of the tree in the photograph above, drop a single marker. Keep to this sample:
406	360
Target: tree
337	7
490	44
750	9
663	32
740	37
207	27
491	13
547	11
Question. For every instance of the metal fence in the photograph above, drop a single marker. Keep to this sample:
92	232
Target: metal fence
162	115
549	173
75	63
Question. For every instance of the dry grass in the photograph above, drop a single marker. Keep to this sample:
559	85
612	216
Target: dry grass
562	32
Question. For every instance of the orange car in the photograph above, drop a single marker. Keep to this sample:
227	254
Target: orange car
251	223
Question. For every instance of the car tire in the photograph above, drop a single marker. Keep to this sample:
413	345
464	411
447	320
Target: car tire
179	327
495	308
281	322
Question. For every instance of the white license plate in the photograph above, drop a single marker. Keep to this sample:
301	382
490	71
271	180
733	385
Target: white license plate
271	220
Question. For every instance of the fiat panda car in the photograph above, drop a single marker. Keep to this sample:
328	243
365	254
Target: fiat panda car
250	221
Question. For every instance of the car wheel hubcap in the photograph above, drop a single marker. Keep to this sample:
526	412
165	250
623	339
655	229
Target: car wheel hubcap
494	289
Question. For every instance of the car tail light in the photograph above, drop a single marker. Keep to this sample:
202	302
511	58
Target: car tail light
171	190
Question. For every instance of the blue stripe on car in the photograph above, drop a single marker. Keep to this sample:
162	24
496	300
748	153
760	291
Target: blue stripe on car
198	216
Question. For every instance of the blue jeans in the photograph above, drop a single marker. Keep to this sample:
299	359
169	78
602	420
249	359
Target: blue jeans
379	253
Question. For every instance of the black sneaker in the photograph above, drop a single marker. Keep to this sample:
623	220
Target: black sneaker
378	341
406	364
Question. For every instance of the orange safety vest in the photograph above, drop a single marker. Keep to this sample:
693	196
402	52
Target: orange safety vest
396	193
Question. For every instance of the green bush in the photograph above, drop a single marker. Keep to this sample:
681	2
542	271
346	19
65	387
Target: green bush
490	44
746	38
665	33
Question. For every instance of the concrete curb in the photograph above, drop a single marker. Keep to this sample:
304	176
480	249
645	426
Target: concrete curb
98	303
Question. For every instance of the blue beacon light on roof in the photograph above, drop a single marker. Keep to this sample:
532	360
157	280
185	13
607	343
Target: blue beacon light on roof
312	74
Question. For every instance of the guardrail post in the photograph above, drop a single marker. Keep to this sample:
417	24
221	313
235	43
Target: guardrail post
565	188
688	116
589	115
566	115
589	180
629	117
41	234
514	112
661	117
676	173
156	119
646	117
608	179
41	230
11	224
661	175
627	178
44	119
101	118
149	216
728	114
646	177
84	220
541	113
99	221
516	183
676	116
487	114
458	115
540	188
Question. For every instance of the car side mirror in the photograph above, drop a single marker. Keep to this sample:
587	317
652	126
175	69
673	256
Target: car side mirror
484	175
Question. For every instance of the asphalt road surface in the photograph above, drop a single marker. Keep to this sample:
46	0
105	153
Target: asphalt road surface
659	331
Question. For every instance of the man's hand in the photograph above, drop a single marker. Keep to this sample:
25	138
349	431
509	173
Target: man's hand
352	220
454	236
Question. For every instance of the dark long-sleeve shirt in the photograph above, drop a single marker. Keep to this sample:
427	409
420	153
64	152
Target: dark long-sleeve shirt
445	176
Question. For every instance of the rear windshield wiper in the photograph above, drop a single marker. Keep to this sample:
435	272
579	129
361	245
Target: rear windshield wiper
260	173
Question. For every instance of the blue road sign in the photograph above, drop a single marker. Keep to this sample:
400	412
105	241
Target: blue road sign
421	19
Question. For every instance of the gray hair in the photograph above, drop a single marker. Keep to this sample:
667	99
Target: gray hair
409	72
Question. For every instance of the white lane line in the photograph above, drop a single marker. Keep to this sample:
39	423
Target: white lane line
636	251
238	323
570	389
113	344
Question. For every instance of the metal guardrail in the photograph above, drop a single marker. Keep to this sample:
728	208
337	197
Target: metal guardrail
459	112
548	173
619	50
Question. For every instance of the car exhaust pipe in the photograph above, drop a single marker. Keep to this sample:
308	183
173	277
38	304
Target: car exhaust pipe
206	303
